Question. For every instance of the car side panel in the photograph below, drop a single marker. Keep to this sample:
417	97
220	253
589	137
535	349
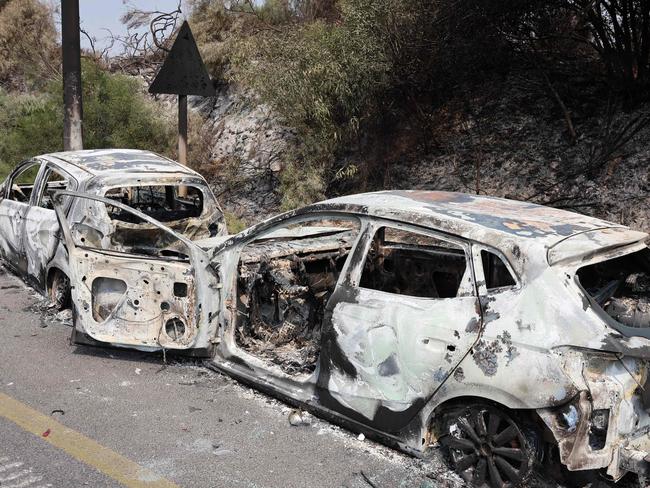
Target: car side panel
12	225
40	241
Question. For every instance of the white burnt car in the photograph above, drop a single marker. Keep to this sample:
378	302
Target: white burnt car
494	327
29	230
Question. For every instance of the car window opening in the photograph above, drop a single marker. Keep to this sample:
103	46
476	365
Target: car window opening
22	184
164	203
55	182
621	287
283	287
417	265
495	271
135	237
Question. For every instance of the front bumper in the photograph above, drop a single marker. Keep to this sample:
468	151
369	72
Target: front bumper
607	426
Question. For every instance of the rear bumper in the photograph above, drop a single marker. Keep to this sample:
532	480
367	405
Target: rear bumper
607	425
618	452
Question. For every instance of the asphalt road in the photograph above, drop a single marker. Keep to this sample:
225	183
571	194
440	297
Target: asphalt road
104	411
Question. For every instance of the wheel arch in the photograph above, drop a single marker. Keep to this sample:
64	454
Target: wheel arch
431	413
52	272
529	413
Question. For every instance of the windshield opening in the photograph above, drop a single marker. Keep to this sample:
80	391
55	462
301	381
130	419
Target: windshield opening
621	287
164	203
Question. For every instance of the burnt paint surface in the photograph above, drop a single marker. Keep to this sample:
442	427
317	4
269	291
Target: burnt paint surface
98	161
512	363
509	355
29	234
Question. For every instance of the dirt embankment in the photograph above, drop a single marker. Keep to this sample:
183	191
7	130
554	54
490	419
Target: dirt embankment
519	148
505	141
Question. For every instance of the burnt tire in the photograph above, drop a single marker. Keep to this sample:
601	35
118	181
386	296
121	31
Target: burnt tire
488	447
59	290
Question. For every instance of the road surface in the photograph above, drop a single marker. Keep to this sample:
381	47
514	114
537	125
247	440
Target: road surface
82	416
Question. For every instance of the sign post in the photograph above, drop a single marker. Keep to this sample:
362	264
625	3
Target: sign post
182	129
183	73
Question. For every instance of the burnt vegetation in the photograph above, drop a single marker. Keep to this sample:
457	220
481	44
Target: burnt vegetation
381	94
535	100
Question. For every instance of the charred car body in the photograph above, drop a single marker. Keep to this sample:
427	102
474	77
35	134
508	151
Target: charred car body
29	230
488	325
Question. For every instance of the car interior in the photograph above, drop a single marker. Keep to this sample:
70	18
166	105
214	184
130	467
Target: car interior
621	287
163	203
283	286
418	265
54	182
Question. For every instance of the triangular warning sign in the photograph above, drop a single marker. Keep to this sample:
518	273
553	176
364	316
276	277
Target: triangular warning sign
183	71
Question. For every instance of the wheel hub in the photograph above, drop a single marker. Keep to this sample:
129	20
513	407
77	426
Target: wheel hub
485	450
488	448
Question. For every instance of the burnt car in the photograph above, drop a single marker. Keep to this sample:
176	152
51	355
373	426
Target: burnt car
29	229
503	330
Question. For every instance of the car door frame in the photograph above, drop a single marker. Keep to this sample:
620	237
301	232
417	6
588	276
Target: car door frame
18	260
206	289
384	420
229	356
39	221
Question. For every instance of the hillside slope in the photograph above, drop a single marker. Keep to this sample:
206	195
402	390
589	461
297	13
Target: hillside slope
517	141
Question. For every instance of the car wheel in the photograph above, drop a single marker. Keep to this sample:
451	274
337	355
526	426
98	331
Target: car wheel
487	447
59	290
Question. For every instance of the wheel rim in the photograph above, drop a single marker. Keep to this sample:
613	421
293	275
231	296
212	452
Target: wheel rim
487	448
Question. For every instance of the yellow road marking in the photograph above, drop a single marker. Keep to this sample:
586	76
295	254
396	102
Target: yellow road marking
80	447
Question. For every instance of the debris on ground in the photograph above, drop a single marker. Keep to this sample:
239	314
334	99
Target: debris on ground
368	480
299	417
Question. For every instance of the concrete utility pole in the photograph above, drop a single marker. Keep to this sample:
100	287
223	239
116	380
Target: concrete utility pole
70	46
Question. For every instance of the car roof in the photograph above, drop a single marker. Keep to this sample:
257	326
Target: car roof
468	215
112	161
517	229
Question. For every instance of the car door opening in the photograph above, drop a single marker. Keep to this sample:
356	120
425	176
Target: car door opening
284	282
